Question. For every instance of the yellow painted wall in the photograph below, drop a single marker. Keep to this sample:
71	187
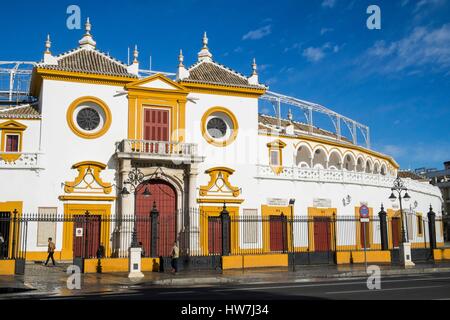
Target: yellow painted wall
343	257
254	261
441	254
372	256
119	265
7	267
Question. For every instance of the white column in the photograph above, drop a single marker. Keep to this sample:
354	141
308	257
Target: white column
194	218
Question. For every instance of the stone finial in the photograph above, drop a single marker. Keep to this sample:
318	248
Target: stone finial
135	54
182	72
48	45
254	67
204	54
87	41
290	116
254	79
181	59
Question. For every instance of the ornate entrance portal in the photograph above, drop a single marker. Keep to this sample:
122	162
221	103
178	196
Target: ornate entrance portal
165	197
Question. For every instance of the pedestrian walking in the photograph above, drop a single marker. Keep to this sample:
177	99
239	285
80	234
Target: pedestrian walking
51	251
175	255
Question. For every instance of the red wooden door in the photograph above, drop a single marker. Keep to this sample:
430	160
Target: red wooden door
156	124
86	245
277	234
322	234
164	195
395	226
214	236
365	235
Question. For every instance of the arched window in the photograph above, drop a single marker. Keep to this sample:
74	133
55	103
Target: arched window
303	157
360	164
320	159
335	160
349	162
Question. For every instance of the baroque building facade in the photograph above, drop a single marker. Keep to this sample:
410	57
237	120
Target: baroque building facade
199	139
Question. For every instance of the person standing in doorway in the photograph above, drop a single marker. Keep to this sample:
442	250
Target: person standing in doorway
51	251
175	255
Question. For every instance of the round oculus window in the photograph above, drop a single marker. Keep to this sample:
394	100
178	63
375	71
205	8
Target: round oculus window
217	128
88	119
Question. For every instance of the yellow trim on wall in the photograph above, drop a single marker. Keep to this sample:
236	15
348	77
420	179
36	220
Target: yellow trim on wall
223	90
74	127
419	216
11	127
266	212
10	206
140	97
320	212
93	169
222	173
216	142
80	209
276	146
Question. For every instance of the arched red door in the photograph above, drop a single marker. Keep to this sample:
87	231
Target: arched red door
165	197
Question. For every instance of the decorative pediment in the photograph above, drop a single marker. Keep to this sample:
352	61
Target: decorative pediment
12	125
219	184
277	144
156	82
88	179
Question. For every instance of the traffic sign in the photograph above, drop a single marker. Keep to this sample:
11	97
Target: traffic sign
364	211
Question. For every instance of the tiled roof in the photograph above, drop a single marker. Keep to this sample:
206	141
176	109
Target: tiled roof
268	122
89	61
411	175
213	73
25	112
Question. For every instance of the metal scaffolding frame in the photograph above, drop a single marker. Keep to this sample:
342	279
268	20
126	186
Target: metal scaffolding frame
308	108
17	74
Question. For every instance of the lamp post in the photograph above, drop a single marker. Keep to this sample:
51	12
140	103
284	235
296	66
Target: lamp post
136	182
402	194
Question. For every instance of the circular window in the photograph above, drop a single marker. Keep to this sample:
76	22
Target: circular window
219	126
89	117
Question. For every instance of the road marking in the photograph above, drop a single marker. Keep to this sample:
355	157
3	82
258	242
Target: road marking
326	284
176	292
389	289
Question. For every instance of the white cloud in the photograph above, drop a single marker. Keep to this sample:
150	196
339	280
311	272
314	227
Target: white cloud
328	3
425	3
314	54
258	33
423	47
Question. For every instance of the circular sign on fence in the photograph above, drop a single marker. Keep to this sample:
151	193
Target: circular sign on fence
364	211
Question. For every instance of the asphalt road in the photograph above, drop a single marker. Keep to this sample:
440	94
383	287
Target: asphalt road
434	286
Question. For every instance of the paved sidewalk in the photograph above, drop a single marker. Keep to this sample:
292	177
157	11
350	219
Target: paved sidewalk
52	281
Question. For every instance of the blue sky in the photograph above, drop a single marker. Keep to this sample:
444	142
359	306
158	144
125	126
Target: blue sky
395	80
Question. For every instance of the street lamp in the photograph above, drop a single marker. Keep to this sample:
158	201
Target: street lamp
135	180
399	188
402	194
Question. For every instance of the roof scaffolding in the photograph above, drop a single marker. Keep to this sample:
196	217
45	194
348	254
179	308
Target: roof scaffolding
15	82
309	108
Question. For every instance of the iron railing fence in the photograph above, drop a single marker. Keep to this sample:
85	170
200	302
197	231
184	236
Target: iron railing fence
13	236
198	233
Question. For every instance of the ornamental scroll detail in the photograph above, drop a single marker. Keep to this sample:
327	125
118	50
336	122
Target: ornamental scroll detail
88	179
219	184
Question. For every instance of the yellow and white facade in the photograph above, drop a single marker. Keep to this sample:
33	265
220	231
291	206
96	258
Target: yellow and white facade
200	132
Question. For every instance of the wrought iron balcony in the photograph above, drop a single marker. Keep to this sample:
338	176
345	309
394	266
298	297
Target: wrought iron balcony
21	160
158	150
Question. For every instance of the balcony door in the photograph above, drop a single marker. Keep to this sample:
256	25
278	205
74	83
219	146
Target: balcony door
156	124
